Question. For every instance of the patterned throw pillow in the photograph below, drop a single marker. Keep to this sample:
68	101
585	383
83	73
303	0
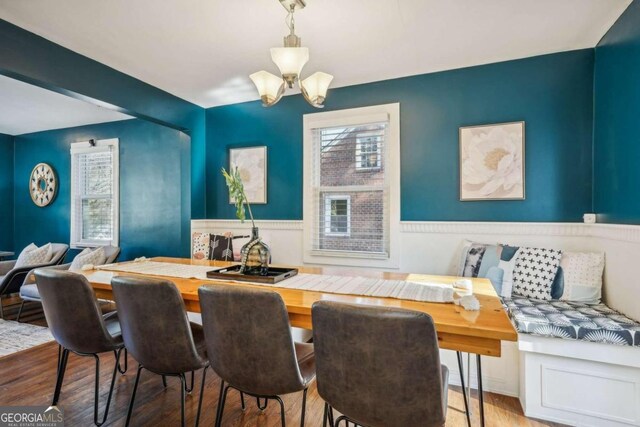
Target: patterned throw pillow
507	264
582	276
88	257
33	255
200	245
221	248
534	272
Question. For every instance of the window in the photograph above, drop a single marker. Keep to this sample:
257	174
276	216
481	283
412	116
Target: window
368	151
94	193
337	216
351	186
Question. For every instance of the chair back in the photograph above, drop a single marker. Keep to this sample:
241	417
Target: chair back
111	252
155	327
378	366
72	311
249	340
58	250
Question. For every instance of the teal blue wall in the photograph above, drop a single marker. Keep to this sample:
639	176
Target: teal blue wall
151	186
616	195
6	192
30	58
552	93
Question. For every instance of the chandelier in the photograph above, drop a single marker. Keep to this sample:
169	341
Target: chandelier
290	60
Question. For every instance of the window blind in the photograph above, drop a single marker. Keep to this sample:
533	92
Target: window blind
350	190
94	198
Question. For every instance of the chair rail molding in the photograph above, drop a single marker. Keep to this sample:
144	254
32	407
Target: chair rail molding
620	232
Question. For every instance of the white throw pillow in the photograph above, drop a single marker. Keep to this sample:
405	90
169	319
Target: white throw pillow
582	276
88	256
33	255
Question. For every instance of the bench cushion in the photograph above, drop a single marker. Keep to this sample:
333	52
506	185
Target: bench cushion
572	321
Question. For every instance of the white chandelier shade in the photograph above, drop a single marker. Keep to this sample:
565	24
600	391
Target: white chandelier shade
314	88
290	61
270	87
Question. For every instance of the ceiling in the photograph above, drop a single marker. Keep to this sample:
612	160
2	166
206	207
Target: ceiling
204	50
25	108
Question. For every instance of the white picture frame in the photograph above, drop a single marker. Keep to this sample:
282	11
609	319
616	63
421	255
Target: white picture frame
252	164
492	162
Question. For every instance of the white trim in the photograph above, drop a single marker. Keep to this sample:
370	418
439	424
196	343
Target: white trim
618	232
97	147
352	117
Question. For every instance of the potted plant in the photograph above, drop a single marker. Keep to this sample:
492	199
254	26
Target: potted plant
255	255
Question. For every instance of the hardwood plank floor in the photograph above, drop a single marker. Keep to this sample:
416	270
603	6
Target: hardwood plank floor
28	377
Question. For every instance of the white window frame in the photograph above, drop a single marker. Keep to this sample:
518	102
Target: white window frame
359	144
328	217
76	227
348	118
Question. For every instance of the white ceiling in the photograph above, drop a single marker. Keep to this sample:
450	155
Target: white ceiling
25	108
203	50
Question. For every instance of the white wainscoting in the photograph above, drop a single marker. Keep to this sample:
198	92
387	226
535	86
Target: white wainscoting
434	247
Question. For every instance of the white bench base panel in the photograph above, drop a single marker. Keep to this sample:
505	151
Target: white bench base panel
579	383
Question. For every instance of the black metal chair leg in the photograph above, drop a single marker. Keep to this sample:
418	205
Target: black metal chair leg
221	411
219	401
60	377
325	415
97	390
189	390
164	381
304	406
1	310
282	420
120	368
183	392
133	395
480	392
204	375
464	390
242	401
261	407
20	311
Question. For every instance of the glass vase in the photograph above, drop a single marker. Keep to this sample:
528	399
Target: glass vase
255	256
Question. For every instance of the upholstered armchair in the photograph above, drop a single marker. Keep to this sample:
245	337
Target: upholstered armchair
29	289
11	278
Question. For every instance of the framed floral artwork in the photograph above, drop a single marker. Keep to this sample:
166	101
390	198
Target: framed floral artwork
492	162
252	165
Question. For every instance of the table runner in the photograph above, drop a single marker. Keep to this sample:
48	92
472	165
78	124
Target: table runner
349	285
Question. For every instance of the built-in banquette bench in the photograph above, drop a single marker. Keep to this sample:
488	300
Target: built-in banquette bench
579	360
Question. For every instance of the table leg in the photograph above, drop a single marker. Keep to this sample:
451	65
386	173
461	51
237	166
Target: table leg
464	391
480	392
469	381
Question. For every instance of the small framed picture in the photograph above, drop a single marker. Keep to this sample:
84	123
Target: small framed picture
252	165
492	162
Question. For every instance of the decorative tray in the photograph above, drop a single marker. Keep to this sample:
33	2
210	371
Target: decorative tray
275	275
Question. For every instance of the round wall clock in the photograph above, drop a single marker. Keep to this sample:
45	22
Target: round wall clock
43	185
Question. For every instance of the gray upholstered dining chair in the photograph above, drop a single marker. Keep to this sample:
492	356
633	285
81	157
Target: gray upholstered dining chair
29	290
379	367
83	330
11	278
250	346
158	334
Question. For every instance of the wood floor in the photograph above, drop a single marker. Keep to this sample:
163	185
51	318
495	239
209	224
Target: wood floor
27	378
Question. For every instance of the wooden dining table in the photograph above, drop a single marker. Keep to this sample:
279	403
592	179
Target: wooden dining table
480	332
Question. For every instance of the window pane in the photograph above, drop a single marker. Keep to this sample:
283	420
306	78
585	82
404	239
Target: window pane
351	155
96	170
97	219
